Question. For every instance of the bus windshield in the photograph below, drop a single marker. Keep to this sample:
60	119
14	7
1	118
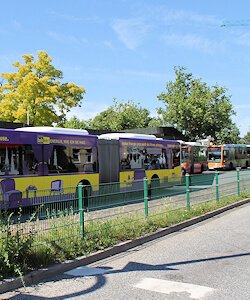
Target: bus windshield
214	154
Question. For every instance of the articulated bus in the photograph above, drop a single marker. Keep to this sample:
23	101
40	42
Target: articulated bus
127	157
38	158
228	156
194	157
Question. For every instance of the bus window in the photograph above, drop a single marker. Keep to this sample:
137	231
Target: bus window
59	160
68	159
164	159
225	155
185	154
214	154
145	158
30	162
240	153
146	161
196	154
248	151
10	162
131	158
76	155
176	157
156	158
155	162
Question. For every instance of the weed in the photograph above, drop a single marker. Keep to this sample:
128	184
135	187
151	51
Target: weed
26	246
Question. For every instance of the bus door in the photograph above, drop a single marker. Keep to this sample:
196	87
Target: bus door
186	158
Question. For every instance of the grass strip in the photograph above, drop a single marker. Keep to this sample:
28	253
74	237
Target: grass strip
21	253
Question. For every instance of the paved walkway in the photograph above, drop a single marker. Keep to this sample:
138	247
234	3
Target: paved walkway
207	261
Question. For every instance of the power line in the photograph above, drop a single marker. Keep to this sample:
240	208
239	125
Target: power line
236	23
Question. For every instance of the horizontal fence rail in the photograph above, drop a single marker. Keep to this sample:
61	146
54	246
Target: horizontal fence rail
80	213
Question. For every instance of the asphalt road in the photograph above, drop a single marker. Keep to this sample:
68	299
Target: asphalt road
209	260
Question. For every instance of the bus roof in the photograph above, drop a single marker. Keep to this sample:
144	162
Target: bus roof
198	144
229	145
193	143
47	129
117	136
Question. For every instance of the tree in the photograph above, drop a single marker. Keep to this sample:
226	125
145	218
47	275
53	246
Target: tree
120	116
194	108
75	123
228	135
246	138
156	122
36	90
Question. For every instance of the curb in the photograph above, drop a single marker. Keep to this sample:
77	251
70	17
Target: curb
39	275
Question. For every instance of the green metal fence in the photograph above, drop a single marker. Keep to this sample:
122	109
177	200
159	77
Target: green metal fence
77	212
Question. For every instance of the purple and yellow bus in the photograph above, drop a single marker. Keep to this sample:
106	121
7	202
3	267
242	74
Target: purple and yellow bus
38	158
127	157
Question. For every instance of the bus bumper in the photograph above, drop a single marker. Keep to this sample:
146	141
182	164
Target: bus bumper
216	167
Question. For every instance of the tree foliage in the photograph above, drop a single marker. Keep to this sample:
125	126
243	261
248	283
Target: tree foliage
229	135
75	123
194	108
36	89
246	138
120	116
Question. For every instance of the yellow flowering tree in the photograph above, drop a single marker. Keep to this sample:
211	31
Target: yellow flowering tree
36	90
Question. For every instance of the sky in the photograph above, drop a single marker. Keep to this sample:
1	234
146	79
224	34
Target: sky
127	49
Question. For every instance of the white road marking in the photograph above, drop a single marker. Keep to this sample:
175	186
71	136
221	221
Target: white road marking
167	287
85	271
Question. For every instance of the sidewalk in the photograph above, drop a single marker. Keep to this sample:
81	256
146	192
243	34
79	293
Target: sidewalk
36	276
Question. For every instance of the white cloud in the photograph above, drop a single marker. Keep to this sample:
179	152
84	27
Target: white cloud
69	17
151	75
87	111
192	41
161	14
156	21
132	32
242	39
188	17
55	36
65	39
65	16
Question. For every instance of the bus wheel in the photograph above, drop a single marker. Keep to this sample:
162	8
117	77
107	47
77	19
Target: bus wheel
86	192
231	166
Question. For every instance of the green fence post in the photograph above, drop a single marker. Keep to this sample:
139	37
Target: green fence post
217	186
188	190
80	188
145	188
238	181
